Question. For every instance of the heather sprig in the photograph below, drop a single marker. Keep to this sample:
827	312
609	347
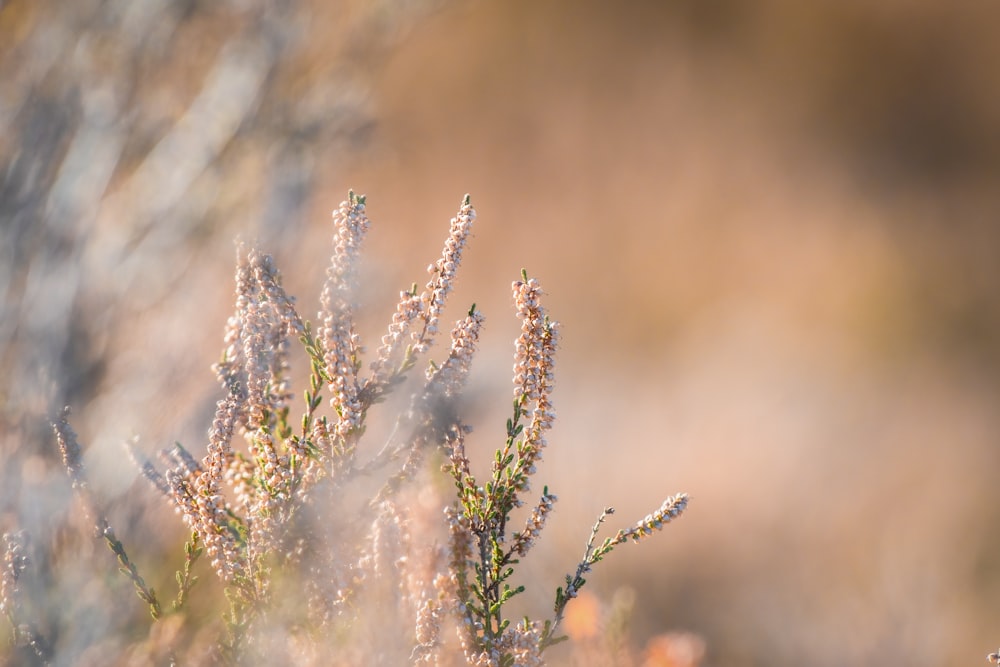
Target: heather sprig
185	578
486	510
485	551
69	447
671	508
341	342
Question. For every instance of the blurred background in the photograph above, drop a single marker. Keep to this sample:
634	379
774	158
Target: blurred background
771	232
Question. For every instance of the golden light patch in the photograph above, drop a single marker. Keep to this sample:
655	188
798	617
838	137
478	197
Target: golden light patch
583	617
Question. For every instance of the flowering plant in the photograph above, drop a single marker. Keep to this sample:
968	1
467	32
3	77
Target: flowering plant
309	572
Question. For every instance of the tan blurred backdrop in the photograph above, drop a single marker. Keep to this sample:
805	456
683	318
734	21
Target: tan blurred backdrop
771	233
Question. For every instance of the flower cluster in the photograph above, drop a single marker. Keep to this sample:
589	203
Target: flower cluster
524	539
450	376
443	271
407	310
197	493
342	345
534	362
72	457
669	510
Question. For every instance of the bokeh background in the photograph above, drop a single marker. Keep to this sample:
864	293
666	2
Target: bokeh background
771	231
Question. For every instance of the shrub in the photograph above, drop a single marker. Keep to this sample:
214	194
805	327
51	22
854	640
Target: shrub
309	572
